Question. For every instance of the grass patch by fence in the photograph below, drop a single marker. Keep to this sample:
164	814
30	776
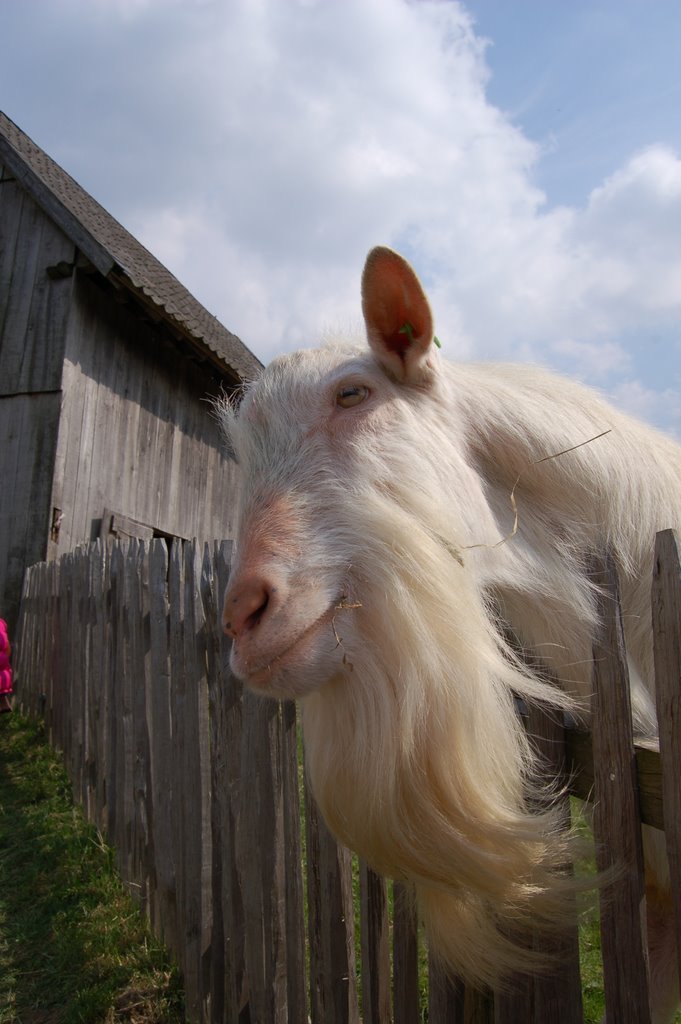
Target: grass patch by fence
73	945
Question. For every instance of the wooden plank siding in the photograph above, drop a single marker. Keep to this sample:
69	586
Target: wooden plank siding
199	786
34	304
33	313
28	428
134	436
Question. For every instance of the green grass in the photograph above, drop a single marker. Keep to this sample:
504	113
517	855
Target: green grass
73	946
590	963
591	966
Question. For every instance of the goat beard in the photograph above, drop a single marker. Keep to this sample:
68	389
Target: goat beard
420	764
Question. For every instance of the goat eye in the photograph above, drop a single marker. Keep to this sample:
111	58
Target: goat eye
351	394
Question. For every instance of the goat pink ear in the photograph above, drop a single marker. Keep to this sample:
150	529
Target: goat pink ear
397	315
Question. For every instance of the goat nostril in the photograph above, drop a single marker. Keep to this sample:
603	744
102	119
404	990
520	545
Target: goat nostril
254	618
245	605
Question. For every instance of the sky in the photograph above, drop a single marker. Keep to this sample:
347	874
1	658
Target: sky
525	156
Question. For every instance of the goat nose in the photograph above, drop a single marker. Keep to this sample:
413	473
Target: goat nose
245	605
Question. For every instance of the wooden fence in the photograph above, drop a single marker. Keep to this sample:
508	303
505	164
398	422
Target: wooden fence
198	787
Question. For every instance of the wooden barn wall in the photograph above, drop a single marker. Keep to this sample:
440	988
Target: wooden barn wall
33	304
28	433
33	313
137	435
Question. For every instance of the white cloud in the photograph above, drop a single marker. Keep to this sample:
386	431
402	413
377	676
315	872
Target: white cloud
663	406
593	361
631	228
322	150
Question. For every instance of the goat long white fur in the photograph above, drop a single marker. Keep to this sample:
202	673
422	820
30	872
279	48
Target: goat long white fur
376	563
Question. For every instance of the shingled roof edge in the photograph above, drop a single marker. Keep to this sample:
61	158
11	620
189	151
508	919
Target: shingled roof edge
240	360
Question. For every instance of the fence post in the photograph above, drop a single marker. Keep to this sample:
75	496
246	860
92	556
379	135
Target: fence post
218	980
261	829
375	948
406	995
450	1001
116	781
667	645
161	751
98	692
617	827
193	754
333	986
557	995
225	701
293	867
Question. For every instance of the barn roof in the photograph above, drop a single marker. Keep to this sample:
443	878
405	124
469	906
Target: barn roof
116	254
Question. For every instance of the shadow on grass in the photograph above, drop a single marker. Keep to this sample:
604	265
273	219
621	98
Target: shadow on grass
73	946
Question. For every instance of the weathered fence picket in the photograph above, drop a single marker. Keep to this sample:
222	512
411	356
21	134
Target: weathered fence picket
199	787
667	635
617	829
406	995
333	985
375	947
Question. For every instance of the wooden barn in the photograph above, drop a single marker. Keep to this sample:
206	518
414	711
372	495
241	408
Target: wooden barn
106	366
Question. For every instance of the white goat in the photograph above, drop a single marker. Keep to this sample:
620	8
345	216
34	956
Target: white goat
376	561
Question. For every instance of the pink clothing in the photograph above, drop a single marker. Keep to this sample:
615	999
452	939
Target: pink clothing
5	667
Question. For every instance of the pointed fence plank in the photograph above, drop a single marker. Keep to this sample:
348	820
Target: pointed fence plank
189	778
406	994
62	707
126	689
218	978
97	717
667	643
70	721
375	928
552	995
106	784
452	1002
293	866
199	758
229	982
163	906
183	790
261	828
116	765
53	684
617	827
333	986
138	604
194	782
83	601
